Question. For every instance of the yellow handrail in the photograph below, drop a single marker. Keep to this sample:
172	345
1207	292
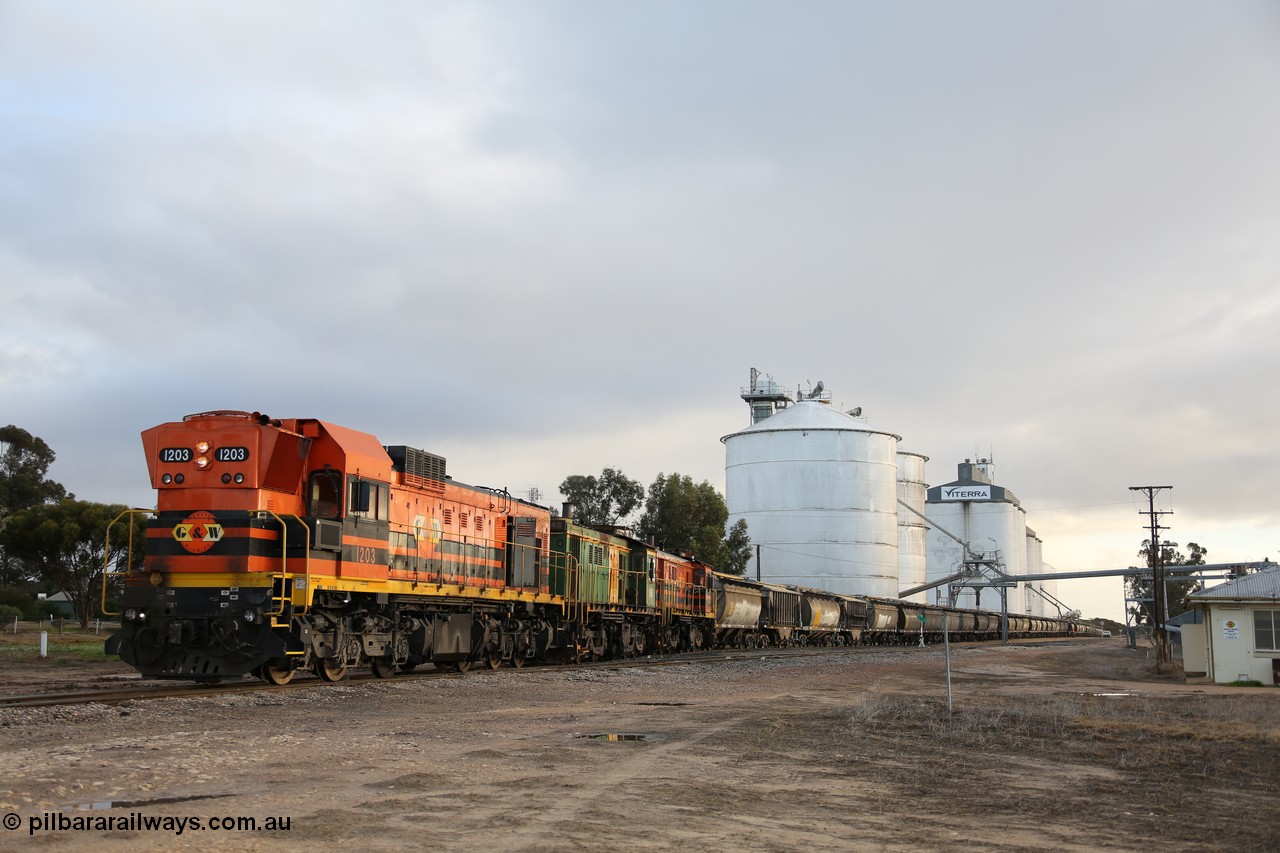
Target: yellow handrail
286	593
106	558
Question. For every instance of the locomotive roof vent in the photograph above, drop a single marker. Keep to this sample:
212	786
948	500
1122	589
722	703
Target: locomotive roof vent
416	463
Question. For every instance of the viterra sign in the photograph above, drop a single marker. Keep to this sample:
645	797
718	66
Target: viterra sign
966	493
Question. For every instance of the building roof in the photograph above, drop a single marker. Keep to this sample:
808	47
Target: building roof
1263	585
811	416
973	486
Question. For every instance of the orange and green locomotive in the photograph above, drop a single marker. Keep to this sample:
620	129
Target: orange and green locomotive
278	545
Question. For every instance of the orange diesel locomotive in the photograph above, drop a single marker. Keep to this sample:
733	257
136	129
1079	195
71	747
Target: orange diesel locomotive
278	545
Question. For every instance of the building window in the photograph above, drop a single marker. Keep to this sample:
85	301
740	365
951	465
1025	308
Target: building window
1266	630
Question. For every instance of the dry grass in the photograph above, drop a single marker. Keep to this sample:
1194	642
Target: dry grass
1209	737
1198	773
72	645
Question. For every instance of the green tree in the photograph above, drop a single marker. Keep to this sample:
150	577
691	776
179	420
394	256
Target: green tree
24	461
605	500
66	544
737	549
681	515
1178	589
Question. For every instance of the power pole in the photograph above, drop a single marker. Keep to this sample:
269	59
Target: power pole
1156	558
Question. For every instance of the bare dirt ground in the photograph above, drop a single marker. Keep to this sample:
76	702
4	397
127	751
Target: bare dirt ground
1068	745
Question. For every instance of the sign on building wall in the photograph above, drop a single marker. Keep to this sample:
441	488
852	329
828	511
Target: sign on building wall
966	493
1231	630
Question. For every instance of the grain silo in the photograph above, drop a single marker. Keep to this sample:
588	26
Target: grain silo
990	519
912	530
818	489
1036	603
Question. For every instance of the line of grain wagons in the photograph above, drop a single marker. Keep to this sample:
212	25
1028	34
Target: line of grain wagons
752	614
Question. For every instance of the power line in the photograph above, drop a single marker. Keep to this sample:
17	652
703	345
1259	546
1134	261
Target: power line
820	556
1079	506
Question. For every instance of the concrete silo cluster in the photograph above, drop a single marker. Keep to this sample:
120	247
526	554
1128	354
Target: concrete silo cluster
834	503
991	522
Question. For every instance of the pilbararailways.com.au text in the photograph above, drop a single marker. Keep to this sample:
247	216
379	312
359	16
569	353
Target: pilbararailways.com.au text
138	822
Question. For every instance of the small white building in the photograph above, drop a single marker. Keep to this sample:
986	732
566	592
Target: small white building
1240	637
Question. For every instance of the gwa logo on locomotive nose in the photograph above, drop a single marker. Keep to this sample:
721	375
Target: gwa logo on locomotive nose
198	532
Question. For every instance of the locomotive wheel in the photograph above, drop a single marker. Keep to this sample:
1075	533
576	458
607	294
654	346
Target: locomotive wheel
462	665
382	668
494	660
278	676
407	667
331	669
517	660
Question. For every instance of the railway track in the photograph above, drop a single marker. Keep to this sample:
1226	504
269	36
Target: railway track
188	690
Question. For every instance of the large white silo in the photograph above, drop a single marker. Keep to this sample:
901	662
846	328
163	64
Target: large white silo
912	530
1037	605
818	489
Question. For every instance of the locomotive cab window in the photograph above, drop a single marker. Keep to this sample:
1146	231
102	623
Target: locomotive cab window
324	497
370	499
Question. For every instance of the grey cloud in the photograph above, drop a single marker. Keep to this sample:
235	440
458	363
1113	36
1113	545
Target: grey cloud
1046	229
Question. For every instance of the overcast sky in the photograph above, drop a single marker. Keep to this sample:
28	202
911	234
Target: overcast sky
542	238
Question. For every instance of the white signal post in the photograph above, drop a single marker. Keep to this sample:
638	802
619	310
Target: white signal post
946	643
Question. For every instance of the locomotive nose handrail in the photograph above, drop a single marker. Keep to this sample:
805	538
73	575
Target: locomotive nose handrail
286	595
108	576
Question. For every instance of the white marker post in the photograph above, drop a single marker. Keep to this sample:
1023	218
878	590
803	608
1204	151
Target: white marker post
946	642
44	644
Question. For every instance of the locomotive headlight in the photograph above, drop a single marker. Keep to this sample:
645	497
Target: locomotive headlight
131	614
239	478
167	479
202	462
250	616
226	478
202	447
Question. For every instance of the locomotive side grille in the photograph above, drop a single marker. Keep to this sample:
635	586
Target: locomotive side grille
327	535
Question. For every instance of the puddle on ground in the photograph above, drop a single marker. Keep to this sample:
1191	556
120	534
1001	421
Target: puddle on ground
103	805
